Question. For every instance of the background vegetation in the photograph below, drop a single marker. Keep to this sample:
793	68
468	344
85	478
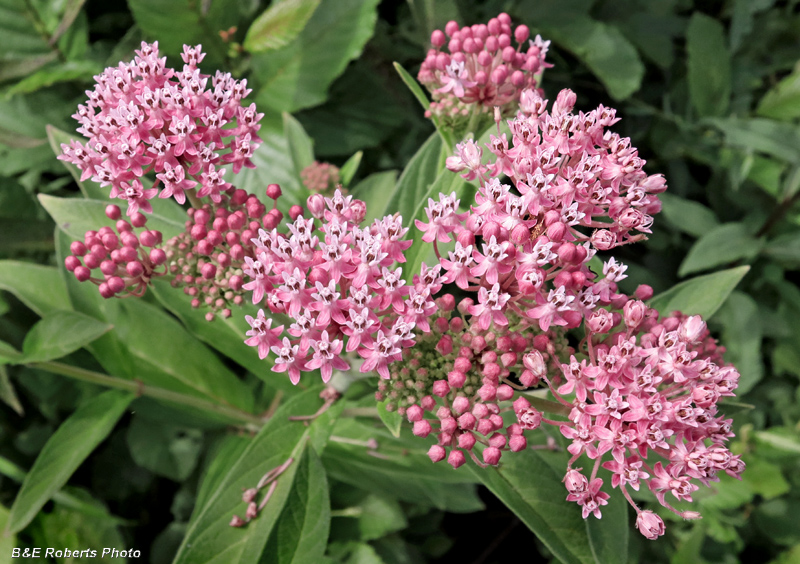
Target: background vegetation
709	91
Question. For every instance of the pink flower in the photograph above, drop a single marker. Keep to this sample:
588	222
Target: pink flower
326	356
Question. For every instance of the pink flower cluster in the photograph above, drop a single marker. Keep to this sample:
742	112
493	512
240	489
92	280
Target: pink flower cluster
320	177
567	172
341	289
120	254
144	117
644	391
482	69
207	258
646	388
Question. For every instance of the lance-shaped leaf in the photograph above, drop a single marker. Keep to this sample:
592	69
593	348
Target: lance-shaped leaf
279	24
210	538
530	486
76	216
38	287
64	452
702	295
60	333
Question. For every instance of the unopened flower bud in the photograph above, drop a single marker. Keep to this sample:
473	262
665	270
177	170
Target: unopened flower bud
650	524
436	453
456	458
491	456
575	482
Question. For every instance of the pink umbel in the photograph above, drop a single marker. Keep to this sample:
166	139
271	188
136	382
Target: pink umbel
144	117
478	68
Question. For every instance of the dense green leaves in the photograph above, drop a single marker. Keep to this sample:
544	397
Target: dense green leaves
210	538
709	66
64	452
298	75
60	333
702	295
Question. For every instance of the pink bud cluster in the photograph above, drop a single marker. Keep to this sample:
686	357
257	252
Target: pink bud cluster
647	389
479	67
144	117
461	378
207	258
120	254
568	175
321	177
340	286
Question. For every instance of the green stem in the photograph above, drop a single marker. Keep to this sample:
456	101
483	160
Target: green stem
193	199
548	406
140	389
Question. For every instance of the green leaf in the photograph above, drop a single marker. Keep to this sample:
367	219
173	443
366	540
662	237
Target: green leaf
690	217
413	86
301	534
7	542
765	478
64	452
702	295
785	249
528	485
781	439
76	216
783	100
38	287
165	450
80	71
391	419
210	538
398	468
376	191
89	526
742	20
609	536
298	75
709	66
301	146
225	335
607	53
59	333
379	516
349	168
279	24
7	392
778	139
177	22
724	244
742	336
778	520
415	180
